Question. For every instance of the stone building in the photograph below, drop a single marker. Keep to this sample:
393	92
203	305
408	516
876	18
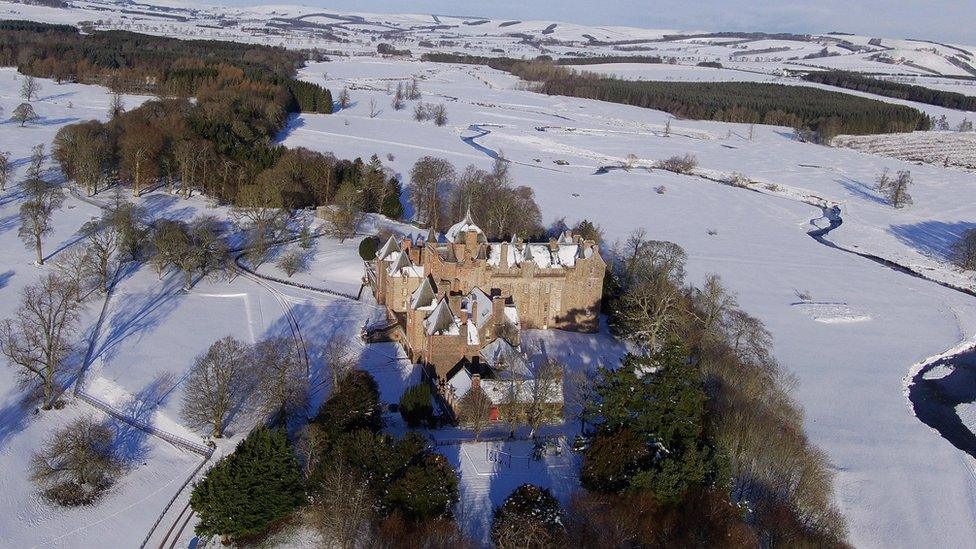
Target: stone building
453	296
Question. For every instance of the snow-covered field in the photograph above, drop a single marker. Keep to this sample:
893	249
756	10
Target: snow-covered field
943	148
852	339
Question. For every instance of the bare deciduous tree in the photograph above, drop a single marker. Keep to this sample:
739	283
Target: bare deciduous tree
651	274
397	102
346	212
292	262
282	378
215	384
103	245
36	213
261	210
38	338
344	512
546	389
897	191
77	464
473	410
29	88
339	357
439	114
431	179
582	396
712	305
344	98
24	113
5	169
74	264
963	251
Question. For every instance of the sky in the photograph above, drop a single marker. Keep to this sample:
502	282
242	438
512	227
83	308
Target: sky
941	20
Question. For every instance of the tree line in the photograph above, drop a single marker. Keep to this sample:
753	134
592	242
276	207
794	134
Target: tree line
897	90
748	102
810	109
694	440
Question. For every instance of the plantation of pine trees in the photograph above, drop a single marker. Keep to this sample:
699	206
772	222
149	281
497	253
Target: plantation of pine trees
813	109
897	90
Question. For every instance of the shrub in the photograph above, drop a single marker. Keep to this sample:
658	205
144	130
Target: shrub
77	464
248	491
679	164
368	248
292	262
416	406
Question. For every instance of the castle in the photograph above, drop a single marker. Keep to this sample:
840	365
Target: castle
459	302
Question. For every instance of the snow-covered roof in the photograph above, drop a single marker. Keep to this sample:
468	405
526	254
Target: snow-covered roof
460	382
540	254
442	320
502	391
424	295
402	266
483	306
392	245
507	361
465	225
511	313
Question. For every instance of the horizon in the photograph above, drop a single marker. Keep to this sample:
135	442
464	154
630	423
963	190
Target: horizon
929	20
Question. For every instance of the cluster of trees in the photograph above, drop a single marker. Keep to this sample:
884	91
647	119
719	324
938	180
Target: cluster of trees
887	88
895	189
355	484
440	196
271	375
694	440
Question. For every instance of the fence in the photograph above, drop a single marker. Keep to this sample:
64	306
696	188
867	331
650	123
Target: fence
175	440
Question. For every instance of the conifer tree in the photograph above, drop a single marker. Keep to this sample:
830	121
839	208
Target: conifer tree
530	518
248	491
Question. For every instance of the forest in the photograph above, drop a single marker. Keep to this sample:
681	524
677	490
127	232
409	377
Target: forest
897	90
220	144
139	63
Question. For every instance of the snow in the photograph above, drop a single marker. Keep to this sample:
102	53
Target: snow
849	357
850	342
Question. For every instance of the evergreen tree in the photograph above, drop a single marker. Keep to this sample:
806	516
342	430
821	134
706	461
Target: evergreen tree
416	405
248	491
392	207
652	430
368	248
530	518
354	404
428	489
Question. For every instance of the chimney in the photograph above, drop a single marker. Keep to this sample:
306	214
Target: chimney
553	243
498	309
503	260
